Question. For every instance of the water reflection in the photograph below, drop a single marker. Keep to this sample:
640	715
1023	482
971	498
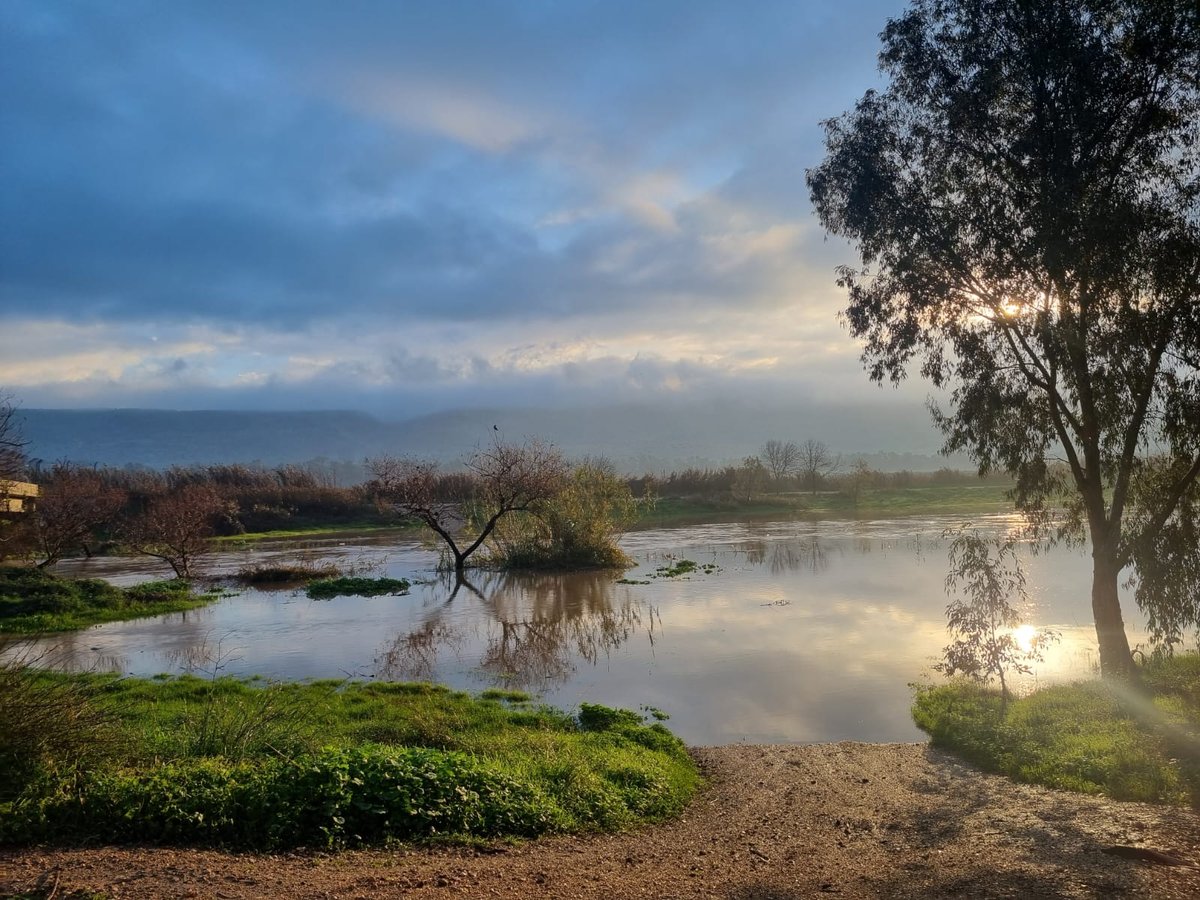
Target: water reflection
805	632
807	554
537	627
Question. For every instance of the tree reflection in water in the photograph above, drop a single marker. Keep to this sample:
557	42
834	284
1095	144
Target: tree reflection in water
539	627
806	554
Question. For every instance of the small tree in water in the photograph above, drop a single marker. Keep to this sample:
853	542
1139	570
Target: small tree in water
986	575
502	479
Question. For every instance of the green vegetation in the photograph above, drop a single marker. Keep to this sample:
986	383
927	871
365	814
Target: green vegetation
286	573
683	567
1093	737
32	601
576	527
327	588
331	764
358	526
884	502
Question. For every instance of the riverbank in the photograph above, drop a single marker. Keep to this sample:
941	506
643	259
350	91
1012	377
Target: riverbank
845	820
879	503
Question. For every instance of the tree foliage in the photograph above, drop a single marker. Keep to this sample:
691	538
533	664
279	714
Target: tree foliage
984	578
1025	198
575	528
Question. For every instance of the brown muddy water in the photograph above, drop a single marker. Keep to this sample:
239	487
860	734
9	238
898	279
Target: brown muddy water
798	631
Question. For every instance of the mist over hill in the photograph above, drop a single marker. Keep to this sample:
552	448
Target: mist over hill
636	438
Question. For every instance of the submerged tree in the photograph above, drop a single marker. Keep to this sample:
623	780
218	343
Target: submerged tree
178	526
576	528
502	479
1025	198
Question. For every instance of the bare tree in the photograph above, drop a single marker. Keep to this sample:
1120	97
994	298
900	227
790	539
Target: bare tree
749	478
73	503
502	479
817	462
782	458
177	527
12	441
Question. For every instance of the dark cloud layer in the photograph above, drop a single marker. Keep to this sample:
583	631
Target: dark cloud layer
283	165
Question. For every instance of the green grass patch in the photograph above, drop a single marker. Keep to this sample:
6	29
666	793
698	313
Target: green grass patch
327	588
333	764
912	501
318	528
35	601
1090	737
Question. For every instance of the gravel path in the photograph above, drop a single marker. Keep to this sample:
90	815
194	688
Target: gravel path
775	823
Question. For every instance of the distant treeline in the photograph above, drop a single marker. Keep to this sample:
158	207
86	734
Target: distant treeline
172	513
256	498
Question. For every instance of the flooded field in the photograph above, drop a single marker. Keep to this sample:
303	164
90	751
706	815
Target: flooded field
787	631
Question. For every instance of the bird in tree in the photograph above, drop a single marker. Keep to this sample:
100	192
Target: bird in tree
1024	195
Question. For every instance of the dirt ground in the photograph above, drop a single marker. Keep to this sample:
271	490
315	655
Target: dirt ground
776	823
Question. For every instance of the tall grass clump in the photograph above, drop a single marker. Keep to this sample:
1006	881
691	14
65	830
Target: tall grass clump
51	728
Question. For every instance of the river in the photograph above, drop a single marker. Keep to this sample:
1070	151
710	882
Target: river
797	631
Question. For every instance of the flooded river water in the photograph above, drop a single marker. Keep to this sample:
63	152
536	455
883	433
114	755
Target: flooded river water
796	632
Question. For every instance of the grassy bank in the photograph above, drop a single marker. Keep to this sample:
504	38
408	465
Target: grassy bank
329	764
867	503
318	529
34	601
1091	736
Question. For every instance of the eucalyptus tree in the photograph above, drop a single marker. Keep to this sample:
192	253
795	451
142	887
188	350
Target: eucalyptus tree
1024	194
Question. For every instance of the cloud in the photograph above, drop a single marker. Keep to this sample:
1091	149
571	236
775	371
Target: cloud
461	196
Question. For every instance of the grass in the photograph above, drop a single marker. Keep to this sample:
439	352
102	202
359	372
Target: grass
318	528
34	601
353	585
1091	737
224	762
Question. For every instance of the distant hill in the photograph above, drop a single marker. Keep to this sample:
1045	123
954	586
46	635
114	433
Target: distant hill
636	438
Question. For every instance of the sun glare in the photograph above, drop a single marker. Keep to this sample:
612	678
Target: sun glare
1026	637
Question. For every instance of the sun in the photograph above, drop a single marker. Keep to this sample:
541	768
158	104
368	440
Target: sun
1026	637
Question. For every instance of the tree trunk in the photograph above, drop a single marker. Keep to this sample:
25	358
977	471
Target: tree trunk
1115	659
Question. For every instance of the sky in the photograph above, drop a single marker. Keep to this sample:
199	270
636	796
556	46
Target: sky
410	206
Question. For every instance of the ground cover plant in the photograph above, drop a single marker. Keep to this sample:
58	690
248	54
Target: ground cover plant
1093	737
33	600
333	764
